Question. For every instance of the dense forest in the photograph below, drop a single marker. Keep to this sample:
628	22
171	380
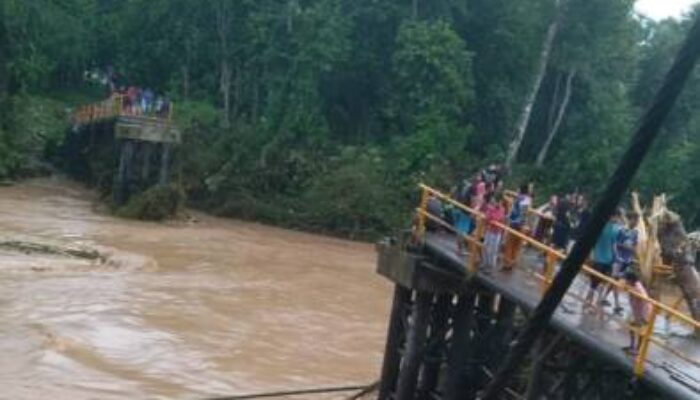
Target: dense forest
324	114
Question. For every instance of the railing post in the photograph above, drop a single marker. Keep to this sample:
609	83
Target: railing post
422	211
645	339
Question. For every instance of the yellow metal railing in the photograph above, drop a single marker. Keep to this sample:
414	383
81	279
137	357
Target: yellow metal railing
114	107
552	257
658	270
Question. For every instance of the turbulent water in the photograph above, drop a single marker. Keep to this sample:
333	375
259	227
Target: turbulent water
181	310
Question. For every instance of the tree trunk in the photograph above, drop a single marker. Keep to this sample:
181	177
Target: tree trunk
225	87
238	82
677	249
292	6
222	21
185	82
414	10
185	70
551	114
524	119
256	99
557	122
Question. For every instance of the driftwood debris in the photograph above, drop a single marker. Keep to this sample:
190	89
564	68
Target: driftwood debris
45	248
663	240
648	250
678	250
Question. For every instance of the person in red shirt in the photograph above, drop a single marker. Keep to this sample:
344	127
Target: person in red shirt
495	214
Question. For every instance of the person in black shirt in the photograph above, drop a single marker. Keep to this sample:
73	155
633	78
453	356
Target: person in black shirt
582	215
562	224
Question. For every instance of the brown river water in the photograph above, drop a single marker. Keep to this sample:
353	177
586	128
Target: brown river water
179	310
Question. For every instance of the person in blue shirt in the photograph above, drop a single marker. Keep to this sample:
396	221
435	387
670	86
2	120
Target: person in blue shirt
625	256
626	246
604	255
516	220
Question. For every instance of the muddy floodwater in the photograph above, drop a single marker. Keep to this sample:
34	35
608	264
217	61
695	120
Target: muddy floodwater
179	310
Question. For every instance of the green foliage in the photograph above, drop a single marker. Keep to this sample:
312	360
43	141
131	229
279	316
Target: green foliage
325	114
32	127
432	75
49	42
355	197
157	203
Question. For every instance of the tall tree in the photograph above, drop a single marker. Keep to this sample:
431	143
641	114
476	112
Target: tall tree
561	107
522	123
224	21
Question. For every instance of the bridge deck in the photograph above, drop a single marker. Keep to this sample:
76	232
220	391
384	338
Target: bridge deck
601	331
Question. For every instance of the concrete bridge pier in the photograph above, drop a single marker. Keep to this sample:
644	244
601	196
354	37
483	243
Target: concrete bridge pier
138	160
460	348
121	153
164	175
122	181
396	337
414	350
436	347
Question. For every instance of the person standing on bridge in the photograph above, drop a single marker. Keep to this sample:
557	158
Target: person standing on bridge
132	95
147	101
516	220
495	214
461	220
625	253
478	195
562	224
603	258
545	219
582	214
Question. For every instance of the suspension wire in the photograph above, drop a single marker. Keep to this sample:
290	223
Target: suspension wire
647	130
299	392
367	390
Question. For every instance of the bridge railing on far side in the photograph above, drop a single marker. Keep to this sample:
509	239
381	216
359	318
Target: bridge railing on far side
114	107
552	257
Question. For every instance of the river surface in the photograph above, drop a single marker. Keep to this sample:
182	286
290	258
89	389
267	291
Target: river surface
179	310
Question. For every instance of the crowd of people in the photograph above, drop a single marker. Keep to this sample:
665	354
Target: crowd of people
134	99
558	222
138	101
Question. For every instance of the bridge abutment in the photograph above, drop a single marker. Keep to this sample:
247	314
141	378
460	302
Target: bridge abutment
122	155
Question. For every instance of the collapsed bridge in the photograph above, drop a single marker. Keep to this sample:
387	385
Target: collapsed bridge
121	150
452	323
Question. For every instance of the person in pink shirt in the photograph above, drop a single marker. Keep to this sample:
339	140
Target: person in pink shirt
495	213
477	200
640	311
